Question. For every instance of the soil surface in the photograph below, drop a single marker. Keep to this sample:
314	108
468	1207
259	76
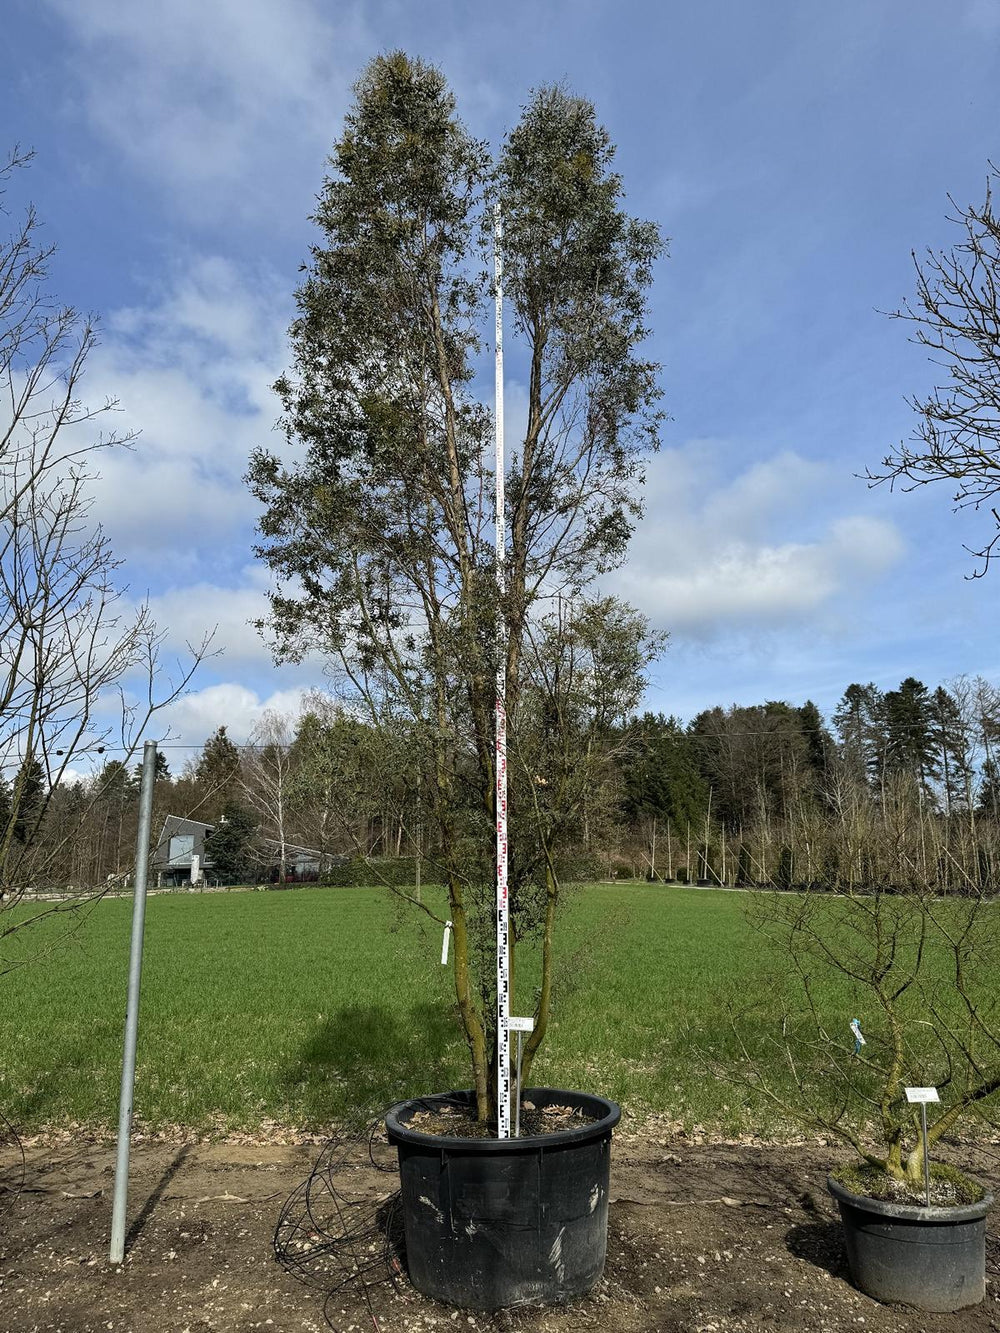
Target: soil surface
703	1238
455	1121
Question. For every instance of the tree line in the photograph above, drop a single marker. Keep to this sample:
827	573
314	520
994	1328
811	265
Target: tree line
895	784
898	785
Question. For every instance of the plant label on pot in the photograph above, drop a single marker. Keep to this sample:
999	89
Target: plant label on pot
922	1094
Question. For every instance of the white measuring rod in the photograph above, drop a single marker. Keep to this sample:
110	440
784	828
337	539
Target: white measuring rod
500	799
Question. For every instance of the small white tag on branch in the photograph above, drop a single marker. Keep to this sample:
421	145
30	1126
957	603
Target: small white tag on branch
445	942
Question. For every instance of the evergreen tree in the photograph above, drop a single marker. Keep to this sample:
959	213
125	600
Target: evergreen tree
859	720
755	759
819	745
5	809
988	799
161	772
909	715
28	799
114	781
949	735
218	767
377	518
231	848
660	774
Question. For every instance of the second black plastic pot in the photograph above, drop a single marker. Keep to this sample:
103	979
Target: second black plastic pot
492	1223
907	1254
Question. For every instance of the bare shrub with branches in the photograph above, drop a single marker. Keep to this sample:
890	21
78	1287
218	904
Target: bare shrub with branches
917	968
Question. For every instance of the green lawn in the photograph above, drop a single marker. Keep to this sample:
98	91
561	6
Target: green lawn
307	1004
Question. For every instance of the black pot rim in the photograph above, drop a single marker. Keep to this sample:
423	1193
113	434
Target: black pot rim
905	1212
400	1132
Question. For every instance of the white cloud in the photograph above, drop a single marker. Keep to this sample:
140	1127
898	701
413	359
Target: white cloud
219	104
187	613
753	552
195	716
192	374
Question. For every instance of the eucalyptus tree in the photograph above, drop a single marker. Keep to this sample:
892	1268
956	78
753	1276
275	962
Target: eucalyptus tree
378	522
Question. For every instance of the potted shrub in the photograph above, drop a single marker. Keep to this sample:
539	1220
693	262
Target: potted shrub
890	990
379	521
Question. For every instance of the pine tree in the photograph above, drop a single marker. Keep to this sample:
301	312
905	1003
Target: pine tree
909	714
949	735
988	797
28	798
859	720
819	745
231	849
161	772
660	774
218	768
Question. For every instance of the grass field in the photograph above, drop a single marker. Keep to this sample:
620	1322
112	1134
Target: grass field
306	1005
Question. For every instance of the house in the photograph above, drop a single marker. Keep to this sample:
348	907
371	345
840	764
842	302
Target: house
179	857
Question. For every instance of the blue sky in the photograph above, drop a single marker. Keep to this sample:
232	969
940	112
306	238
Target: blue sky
794	152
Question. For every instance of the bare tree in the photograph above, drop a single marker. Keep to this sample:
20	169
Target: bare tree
79	667
266	780
956	316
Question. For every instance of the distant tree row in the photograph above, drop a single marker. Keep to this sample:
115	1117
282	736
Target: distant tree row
764	792
321	780
912	760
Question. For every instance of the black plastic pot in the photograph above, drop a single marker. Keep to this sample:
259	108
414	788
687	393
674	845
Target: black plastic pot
930	1258
492	1223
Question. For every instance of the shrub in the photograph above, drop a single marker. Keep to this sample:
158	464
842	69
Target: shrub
399	872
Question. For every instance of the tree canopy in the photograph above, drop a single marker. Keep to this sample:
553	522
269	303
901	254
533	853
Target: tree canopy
378	521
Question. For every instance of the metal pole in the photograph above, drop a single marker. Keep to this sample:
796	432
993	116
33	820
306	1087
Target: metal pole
927	1165
120	1200
517	1103
503	925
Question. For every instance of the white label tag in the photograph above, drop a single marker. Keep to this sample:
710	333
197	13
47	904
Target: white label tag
445	942
520	1025
922	1094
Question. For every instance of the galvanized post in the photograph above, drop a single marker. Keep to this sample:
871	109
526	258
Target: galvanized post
120	1199
517	1097
927	1165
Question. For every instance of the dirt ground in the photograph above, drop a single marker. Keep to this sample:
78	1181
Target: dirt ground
703	1238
